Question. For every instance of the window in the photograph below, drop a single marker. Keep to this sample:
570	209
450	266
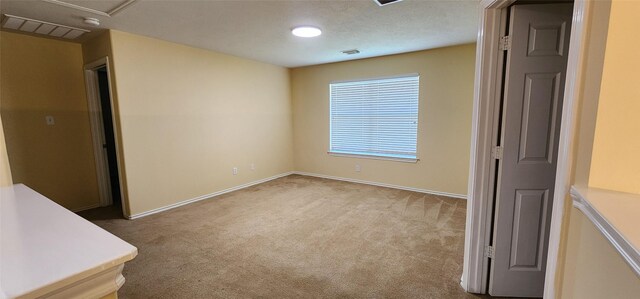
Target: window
376	117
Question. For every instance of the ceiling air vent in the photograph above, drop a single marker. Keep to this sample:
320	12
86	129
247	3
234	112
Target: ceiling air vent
351	52
41	27
385	2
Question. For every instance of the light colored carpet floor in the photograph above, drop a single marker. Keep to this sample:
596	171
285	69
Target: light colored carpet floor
298	237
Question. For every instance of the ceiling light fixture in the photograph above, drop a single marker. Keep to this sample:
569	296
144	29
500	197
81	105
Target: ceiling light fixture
92	21
306	31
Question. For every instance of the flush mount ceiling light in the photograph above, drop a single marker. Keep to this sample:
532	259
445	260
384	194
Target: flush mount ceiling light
92	21
306	31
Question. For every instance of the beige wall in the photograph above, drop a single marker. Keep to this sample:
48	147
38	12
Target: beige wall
590	267
616	148
444	132
595	269
97	47
93	50
589	96
5	169
586	119
188	116
43	77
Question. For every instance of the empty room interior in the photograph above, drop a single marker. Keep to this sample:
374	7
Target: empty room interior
319	149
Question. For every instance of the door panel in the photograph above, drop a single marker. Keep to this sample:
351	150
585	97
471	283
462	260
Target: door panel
547	39
534	86
529	211
541	98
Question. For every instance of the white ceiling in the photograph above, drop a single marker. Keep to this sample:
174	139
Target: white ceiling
260	30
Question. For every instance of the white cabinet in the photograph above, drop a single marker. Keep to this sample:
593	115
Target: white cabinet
48	251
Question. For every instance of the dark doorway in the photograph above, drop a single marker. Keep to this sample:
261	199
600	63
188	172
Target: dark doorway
109	135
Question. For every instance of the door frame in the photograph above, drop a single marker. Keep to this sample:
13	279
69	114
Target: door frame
97	129
486	94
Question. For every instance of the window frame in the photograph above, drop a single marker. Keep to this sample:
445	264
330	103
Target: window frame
373	155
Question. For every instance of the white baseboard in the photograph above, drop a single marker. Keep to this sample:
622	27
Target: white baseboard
454	195
206	196
214	194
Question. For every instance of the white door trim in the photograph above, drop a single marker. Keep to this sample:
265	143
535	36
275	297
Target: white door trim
97	130
488	59
474	275
573	85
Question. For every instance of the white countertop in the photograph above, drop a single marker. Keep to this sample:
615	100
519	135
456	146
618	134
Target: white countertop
616	215
44	246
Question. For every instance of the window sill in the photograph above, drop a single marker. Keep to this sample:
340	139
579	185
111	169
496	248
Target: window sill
615	215
403	160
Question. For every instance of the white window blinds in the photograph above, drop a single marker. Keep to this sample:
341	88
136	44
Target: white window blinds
377	117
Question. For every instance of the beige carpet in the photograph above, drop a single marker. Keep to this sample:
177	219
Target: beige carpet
298	237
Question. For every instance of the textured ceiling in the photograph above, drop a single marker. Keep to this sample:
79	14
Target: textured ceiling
260	30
